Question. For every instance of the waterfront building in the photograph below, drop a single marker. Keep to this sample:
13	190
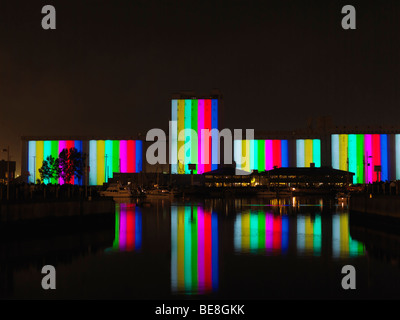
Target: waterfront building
324	177
371	157
104	156
370	153
192	118
264	155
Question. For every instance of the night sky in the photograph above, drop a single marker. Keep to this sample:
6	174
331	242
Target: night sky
110	67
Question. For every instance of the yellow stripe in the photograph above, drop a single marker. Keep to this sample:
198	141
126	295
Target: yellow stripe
245	231
308	152
100	162
309	233
246	155
343	150
181	248
344	235
181	126
39	157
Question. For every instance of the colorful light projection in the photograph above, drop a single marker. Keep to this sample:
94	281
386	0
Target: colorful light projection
188	144
260	155
257	232
308	151
109	156
194	250
309	235
40	150
343	245
128	227
361	153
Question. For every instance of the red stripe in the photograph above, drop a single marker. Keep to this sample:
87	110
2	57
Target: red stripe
376	154
130	146
207	125
277	153
277	232
70	144
207	251
130	227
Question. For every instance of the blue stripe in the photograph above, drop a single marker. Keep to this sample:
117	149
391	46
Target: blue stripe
32	161
285	153
285	233
78	146
214	137
139	150
384	157
214	245
138	228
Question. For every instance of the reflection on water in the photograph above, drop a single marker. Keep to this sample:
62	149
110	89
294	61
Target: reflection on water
194	249
258	231
291	227
128	228
342	243
211	248
309	234
276	226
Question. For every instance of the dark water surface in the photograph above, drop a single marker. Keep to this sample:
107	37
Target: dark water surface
291	248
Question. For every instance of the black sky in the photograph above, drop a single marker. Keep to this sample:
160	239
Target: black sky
110	67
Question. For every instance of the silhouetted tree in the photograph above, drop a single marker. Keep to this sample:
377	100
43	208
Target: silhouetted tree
72	164
50	169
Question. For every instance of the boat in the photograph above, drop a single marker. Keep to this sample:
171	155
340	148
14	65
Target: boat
117	191
342	196
277	193
266	193
158	193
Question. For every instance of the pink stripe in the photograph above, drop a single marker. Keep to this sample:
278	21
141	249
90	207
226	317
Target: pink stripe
122	227
207	140
269	160
200	126
200	253
123	155
368	154
269	230
62	144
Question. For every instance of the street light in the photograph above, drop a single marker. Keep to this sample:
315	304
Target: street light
367	164
106	169
34	169
8	171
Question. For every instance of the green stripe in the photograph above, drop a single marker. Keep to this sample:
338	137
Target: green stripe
187	250
54	154
116	161
360	158
261	230
317	152
253	231
261	155
108	161
194	249
317	235
352	154
194	113
116	237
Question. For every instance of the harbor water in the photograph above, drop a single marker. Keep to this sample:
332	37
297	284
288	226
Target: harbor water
290	248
